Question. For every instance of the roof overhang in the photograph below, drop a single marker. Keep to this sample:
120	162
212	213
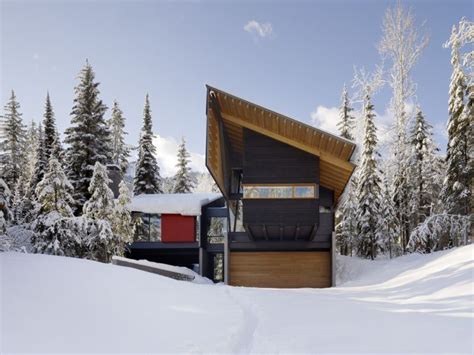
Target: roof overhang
228	115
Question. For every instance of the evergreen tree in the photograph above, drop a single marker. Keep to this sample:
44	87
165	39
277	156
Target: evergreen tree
120	151
54	203
423	174
41	163
456	193
183	182
101	203
50	131
5	195
368	187
12	138
346	124
99	211
147	175
88	138
389	228
54	191
122	225
347	228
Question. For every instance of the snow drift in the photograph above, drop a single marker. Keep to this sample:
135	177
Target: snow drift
417	303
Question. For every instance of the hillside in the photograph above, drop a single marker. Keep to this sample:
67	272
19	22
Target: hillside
417	303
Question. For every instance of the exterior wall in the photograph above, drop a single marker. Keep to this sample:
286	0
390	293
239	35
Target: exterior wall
178	229
280	269
267	161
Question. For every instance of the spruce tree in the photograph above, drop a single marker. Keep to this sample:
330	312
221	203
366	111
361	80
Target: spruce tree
120	151
347	233
98	211
50	131
41	163
12	138
183	182
369	187
390	226
122	225
88	138
54	204
147	175
423	173
456	193
346	124
101	203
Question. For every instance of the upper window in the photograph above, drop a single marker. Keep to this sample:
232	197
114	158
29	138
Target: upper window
283	191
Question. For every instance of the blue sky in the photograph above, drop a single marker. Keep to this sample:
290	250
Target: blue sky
172	49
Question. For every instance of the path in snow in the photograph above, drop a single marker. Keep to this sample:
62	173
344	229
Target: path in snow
416	303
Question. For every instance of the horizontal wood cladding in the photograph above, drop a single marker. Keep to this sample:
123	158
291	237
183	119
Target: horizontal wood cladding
280	269
269	161
281	211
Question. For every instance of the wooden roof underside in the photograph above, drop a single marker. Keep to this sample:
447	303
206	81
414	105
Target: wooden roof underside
236	114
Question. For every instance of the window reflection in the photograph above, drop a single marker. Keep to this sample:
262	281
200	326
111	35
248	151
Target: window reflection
280	191
147	227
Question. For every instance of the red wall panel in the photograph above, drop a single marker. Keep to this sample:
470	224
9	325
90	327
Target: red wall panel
178	229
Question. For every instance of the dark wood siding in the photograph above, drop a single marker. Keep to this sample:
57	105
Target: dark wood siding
267	161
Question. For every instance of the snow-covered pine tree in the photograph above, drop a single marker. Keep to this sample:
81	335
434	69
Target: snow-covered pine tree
54	203
50	132
346	123
147	174
183	182
5	196
390	242
120	150
98	210
12	138
347	228
101	203
456	192
41	164
369	187
122	225
423	170
88	138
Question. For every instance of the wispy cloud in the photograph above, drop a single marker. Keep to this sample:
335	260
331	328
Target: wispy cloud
258	29
167	150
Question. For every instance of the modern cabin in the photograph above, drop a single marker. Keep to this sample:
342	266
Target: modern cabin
281	180
171	229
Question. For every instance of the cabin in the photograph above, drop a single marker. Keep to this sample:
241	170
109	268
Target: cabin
281	180
171	228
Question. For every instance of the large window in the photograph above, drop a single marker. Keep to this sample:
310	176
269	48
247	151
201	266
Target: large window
147	227
281	191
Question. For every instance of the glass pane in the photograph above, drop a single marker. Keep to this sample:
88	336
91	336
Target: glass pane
155	228
268	192
304	192
142	231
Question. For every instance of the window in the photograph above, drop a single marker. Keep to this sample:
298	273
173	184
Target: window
284	191
147	227
325	209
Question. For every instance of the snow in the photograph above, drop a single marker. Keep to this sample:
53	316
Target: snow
183	204
178	269
416	303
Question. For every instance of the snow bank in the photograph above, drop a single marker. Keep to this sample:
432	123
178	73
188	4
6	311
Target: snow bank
184	204
418	303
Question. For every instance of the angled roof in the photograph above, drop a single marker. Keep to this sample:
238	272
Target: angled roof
236	114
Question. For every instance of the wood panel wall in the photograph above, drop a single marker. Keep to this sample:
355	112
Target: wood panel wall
280	269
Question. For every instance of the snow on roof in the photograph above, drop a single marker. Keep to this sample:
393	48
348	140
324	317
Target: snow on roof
183	204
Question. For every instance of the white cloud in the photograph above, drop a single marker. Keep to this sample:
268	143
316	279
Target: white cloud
326	118
259	29
167	150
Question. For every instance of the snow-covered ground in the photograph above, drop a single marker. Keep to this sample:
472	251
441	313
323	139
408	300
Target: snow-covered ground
416	303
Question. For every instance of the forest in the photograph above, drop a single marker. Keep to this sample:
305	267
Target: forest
407	197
